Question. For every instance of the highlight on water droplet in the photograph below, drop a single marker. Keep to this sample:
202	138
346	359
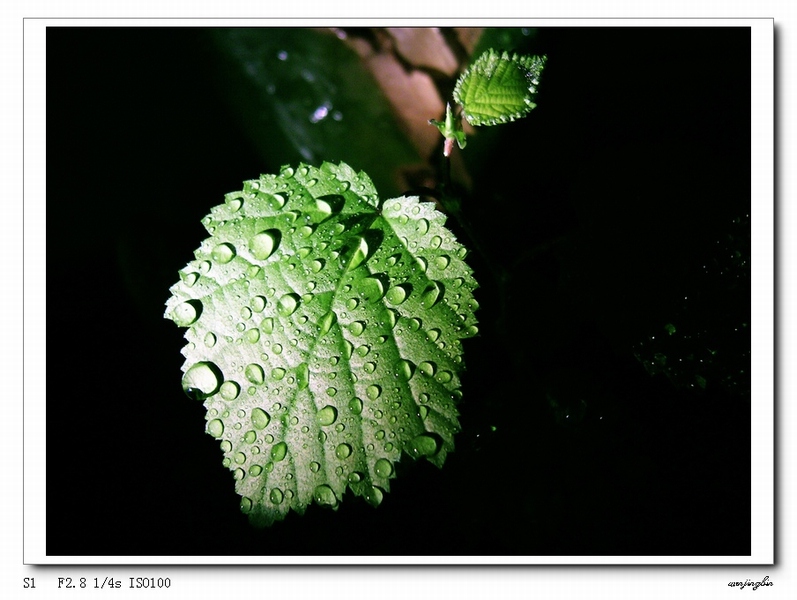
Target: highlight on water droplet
263	244
442	262
276	496
202	380
373	391
252	336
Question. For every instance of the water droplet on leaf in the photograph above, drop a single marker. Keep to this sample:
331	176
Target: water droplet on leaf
216	428
424	445
223	253
202	380
358	254
372	289
288	304
356	328
259	303
405	369
383	468
254	373
431	294
427	368
356	406
397	294
326	322
263	244
324	496
302	376
187	313
260	418
276	496
279	451
441	262
267	325
327	415
229	390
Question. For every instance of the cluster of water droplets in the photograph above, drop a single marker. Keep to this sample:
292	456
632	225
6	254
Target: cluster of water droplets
323	336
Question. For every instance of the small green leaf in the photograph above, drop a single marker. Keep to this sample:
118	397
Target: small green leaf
498	88
324	336
451	130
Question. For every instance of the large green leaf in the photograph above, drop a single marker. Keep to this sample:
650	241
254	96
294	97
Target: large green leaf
324	334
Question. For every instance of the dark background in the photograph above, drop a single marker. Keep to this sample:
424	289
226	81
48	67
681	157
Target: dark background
619	206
